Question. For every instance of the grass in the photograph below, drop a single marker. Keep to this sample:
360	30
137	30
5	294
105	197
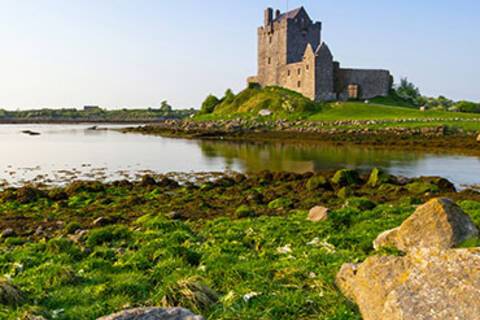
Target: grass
274	265
362	111
289	105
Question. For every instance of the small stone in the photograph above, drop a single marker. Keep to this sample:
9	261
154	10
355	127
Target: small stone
154	314
101	221
265	113
174	215
7	233
478	138
318	214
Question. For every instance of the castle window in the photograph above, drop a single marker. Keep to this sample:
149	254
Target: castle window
270	39
299	84
289	73
269	60
308	67
299	71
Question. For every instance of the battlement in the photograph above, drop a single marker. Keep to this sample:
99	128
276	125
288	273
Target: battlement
291	54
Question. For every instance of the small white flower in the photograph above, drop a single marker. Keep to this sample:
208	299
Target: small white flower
284	250
314	242
250	296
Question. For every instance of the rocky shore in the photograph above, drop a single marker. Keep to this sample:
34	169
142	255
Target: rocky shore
240	246
371	132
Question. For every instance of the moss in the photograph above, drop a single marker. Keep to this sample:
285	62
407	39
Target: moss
346	177
360	203
244	212
316	182
421	187
280	203
345	193
378	177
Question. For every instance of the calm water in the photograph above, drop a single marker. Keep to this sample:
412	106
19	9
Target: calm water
65	152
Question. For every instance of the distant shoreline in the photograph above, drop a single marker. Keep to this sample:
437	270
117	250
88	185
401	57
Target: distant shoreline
63	121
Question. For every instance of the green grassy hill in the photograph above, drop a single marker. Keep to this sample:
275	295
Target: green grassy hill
290	105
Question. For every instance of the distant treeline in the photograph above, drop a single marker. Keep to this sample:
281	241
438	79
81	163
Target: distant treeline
93	115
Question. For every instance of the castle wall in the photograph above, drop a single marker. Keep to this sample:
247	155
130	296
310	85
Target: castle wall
324	75
300	33
300	77
272	52
372	83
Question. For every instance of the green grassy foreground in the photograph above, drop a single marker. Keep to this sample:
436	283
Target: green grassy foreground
237	248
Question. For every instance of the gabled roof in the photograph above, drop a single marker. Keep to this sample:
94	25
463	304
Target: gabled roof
323	48
292	14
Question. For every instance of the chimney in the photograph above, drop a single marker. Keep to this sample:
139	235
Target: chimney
268	16
277	14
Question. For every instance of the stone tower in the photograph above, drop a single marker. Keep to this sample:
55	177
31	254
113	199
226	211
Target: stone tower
292	55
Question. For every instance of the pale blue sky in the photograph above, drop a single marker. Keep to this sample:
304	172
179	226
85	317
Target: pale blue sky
135	53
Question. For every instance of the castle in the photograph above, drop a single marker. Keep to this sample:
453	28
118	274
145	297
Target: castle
292	55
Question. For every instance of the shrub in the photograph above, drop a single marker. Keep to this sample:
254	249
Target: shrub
408	91
208	106
467	106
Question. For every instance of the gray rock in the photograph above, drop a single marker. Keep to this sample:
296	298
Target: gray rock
153	314
9	232
427	284
439	223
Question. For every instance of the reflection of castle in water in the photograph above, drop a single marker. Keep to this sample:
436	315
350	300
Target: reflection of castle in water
303	157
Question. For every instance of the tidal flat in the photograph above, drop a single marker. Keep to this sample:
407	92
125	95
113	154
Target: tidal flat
227	246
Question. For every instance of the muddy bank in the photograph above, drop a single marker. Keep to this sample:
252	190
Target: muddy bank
435	138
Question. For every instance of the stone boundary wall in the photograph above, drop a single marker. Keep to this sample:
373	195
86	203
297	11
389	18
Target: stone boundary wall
372	83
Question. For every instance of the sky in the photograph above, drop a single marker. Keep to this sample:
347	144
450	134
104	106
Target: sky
137	53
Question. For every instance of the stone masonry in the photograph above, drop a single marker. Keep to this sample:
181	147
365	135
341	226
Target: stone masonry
292	55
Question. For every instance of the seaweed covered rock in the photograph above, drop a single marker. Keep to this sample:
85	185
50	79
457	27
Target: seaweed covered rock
316	182
28	194
153	314
428	283
378	177
430	185
346	177
439	223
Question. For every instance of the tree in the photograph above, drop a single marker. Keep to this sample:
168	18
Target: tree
165	107
467	106
408	91
208	106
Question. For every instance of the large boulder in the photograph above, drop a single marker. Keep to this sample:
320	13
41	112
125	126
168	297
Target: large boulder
439	223
153	314
428	283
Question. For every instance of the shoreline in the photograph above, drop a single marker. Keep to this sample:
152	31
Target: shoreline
433	139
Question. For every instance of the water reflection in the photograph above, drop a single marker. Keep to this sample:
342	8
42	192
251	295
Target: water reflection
65	152
306	157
